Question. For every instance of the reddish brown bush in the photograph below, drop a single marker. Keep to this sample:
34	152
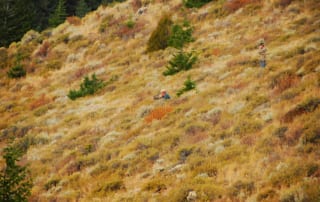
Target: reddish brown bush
158	113
74	20
283	3
44	49
136	4
39	102
283	81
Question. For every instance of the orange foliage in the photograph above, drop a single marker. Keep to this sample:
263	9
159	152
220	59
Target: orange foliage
39	102
158	113
74	20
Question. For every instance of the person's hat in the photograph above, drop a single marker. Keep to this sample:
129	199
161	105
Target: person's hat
163	90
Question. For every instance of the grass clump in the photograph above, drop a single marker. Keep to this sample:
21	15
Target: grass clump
180	35
88	87
180	61
154	186
130	24
158	113
111	186
195	3
188	85
160	36
239	187
306	107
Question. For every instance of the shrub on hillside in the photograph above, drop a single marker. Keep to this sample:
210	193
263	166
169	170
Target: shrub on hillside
160	36
180	61
282	3
195	3
306	107
283	81
44	49
16	72
180	35
188	85
158	113
88	87
15	181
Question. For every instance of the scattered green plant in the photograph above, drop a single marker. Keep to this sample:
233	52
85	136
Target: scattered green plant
88	87
180	35
130	24
188	85
16	72
111	186
180	61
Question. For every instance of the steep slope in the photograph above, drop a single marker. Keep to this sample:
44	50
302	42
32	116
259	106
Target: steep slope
244	134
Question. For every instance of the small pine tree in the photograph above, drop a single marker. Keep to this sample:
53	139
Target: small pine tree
16	71
15	181
87	87
180	35
188	85
181	61
82	9
59	14
160	36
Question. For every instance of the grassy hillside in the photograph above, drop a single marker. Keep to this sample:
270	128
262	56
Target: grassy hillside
244	134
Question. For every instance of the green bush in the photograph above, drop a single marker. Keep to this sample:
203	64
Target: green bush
160	36
15	181
16	71
179	62
88	87
180	35
130	24
195	3
188	85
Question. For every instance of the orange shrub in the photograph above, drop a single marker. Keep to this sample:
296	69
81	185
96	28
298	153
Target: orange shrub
44	49
283	81
39	102
74	20
158	113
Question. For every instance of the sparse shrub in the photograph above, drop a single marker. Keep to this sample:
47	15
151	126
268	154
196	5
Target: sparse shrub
41	110
74	20
15	181
288	175
282	3
283	81
296	51
180	35
54	64
158	113
180	61
17	71
111	186
160	36
51	183
23	144
243	61
245	187
195	3
266	195
306	107
104	24
63	38
280	132
88	87
44	49
188	85
154	186
184	153
246	126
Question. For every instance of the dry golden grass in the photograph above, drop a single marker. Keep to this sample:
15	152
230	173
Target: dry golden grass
240	137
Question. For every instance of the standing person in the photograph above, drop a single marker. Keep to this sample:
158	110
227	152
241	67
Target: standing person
163	95
262	52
